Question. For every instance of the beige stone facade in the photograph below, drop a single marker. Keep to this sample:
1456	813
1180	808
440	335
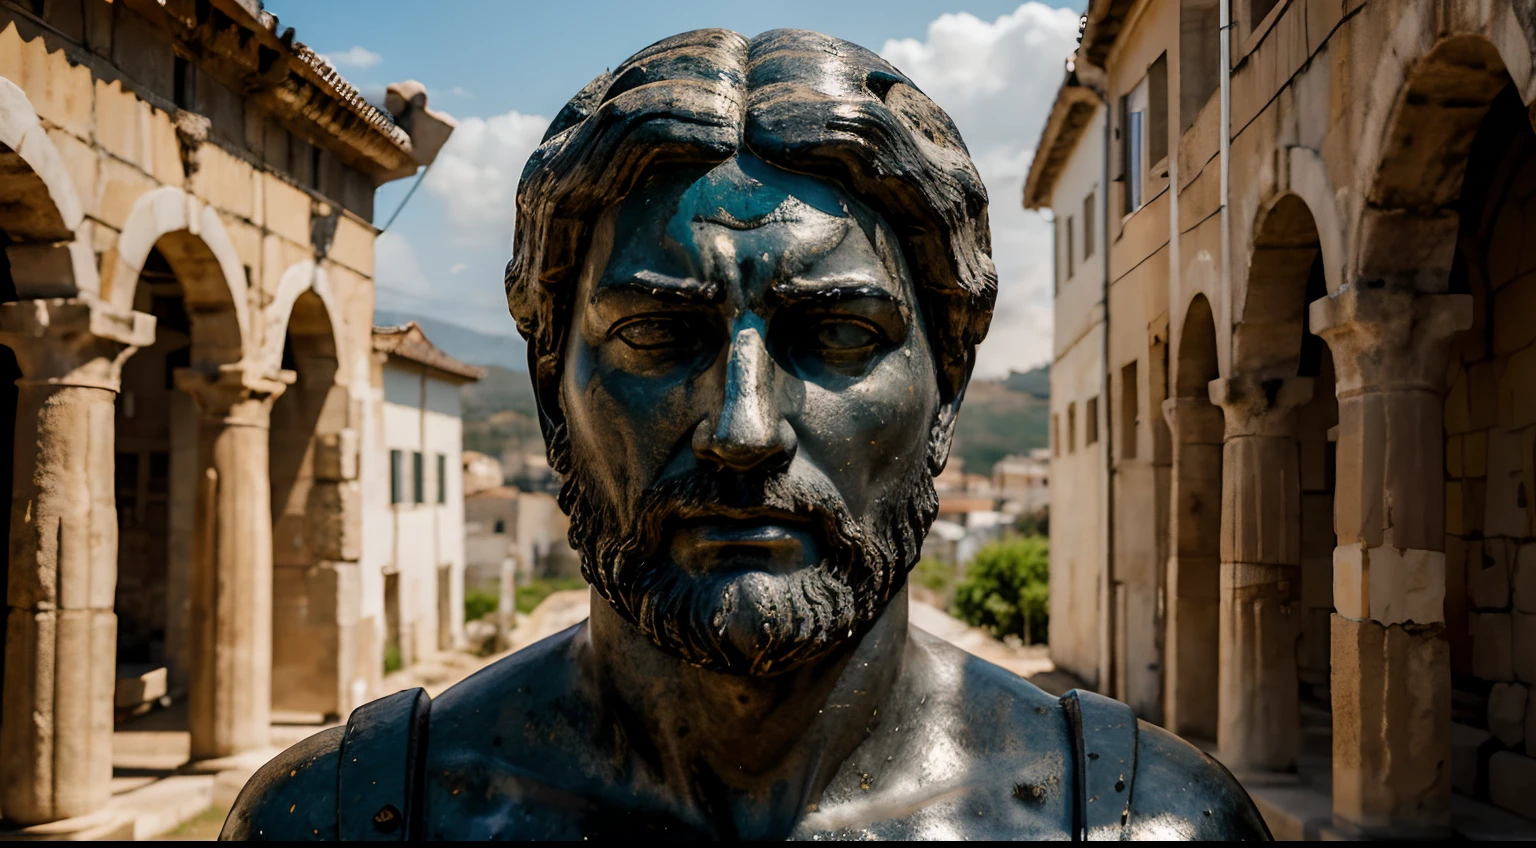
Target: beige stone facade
1317	397
186	205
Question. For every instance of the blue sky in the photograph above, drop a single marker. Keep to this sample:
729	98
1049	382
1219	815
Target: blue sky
504	68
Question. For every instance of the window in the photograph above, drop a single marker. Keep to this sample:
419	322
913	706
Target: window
1199	57
1088	218
1055	435
1071	251
1056	256
442	478
183	83
501	526
396	477
1157	111
1129	409
1091	421
418	469
1071	427
1133	151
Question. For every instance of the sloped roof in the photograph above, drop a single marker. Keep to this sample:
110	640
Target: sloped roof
409	342
1069	117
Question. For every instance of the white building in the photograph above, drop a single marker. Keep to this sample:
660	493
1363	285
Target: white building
413	501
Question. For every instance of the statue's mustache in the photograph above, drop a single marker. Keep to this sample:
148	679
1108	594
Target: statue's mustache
805	495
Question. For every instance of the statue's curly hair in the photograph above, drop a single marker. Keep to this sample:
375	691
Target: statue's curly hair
800	100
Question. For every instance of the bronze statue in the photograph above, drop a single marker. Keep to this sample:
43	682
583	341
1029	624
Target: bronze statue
753	274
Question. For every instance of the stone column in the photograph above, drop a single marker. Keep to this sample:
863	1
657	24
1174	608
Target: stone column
229	697
1258	711
61	632
1194	567
1391	674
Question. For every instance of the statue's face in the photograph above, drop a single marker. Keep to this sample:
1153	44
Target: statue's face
749	393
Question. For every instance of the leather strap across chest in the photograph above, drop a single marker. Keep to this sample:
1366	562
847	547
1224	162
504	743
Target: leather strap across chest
379	783
1104	748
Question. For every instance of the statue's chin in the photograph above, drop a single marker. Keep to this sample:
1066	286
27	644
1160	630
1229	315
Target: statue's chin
747	622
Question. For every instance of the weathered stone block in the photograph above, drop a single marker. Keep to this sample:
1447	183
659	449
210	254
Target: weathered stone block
335	520
1492	648
1517	401
1524	578
1453	456
1512	783
1506	713
1392	725
1466	742
1523	634
1514	306
1454	509
1475	454
1488	573
1506	504
1483	393
1458	415
120	186
353	246
336	456
1474	497
227	183
286	209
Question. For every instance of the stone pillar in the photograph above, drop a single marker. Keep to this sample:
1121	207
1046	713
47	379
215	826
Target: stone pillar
1258	709
229	698
61	632
1194	567
1391	674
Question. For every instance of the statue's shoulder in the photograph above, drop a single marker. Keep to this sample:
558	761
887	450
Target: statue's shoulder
292	797
358	782
1181	792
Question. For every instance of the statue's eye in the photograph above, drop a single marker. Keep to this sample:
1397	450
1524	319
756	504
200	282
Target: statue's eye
655	334
844	336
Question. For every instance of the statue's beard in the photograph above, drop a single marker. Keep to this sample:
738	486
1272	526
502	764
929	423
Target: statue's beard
753	621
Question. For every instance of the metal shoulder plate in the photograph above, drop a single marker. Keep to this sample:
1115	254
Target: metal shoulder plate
1104	745
379	782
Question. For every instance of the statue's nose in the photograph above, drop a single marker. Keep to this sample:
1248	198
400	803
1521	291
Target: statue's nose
750	430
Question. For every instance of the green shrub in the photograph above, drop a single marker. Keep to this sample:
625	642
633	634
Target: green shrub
392	661
934	575
535	591
478	604
1006	590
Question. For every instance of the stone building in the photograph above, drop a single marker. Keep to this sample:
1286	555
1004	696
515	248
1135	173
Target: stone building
186	206
413	530
1295	368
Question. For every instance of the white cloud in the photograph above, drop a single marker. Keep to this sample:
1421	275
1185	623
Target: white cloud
356	57
997	81
458	267
477	171
459	91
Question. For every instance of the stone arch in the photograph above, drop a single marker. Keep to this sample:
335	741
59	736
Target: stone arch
307	281
1408	226
315	504
1194	565
1286	273
43	217
189	234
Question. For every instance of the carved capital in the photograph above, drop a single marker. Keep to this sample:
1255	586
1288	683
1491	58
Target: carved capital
1254	405
73	342
1193	420
233	394
1387	340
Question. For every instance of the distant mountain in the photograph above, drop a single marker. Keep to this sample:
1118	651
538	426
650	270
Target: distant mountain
462	343
1036	381
997	420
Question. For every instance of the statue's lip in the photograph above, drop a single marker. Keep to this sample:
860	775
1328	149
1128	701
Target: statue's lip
715	515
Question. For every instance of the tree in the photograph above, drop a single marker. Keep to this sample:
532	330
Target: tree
1006	590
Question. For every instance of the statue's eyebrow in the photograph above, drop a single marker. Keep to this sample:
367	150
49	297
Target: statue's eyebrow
660	287
833	289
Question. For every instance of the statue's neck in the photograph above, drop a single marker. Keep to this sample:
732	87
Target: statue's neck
726	747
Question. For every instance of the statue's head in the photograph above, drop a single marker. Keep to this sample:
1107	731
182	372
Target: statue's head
753	274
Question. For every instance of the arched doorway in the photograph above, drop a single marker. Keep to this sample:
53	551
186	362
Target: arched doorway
1276	540
1194	567
1490	437
315	576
